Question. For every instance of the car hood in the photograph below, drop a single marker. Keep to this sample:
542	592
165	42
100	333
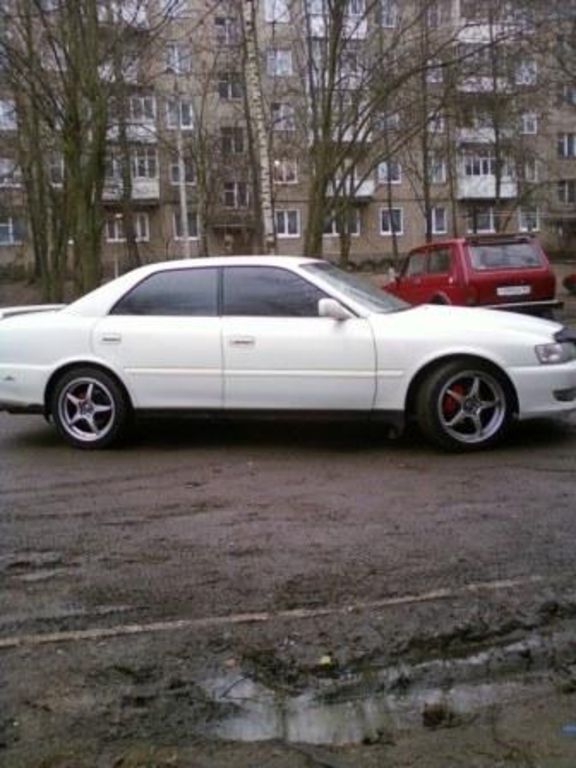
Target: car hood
432	319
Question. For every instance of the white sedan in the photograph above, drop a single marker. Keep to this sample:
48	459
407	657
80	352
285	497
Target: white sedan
283	335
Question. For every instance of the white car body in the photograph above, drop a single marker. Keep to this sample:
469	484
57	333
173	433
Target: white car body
365	363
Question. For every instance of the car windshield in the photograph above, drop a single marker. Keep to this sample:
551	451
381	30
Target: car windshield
504	256
356	288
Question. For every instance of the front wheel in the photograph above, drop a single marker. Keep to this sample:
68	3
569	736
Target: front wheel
89	408
464	405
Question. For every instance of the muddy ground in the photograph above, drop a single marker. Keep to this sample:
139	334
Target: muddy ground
254	595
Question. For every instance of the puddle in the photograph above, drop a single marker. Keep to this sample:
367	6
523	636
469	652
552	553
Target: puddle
361	711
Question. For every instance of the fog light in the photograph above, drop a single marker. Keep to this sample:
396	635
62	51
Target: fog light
565	395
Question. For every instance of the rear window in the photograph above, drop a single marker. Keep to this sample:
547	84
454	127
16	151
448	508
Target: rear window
504	256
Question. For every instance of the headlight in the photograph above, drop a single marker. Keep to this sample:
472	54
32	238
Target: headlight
552	354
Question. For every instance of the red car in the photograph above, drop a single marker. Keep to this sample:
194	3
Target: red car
500	272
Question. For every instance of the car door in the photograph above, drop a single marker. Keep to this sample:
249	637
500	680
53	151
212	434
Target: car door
164	337
278	352
410	282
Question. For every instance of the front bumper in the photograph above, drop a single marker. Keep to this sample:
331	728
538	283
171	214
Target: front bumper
545	390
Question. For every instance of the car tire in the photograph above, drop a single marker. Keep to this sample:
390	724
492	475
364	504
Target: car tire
464	405
89	408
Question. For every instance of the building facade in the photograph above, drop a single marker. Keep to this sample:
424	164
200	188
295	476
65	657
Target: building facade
445	117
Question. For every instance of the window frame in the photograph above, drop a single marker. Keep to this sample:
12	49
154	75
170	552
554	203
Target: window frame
389	211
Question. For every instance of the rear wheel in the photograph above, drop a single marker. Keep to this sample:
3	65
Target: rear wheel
464	405
89	408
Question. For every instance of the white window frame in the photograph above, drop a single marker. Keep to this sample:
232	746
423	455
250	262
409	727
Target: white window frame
193	226
175	9
531	170
178	57
175	110
189	172
285	219
276	12
8	120
566	191
385	172
526	72
142	109
226	30
389	14
439	229
438	170
9	225
434	72
283	116
240	193
285	171
279	62
566	145
332	225
144	163
115	228
232	140
529	123
491	225
436	123
389	213
10	173
523	223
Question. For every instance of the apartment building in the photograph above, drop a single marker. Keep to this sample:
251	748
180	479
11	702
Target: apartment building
448	117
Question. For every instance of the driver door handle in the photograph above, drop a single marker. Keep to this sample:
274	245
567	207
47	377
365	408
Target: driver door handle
242	341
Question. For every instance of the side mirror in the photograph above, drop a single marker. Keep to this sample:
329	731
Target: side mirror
332	308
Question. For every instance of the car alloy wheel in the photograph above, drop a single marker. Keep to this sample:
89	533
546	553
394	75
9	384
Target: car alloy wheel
89	408
464	405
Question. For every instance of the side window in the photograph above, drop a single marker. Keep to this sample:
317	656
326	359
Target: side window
186	292
416	265
269	291
439	261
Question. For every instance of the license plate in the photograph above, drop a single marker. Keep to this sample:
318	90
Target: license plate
513	290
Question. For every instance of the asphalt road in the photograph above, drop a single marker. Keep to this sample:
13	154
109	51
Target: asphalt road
307	544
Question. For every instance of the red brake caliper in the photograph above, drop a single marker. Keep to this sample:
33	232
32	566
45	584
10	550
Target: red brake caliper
449	403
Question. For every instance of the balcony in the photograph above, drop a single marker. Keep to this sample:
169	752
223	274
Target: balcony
356	27
141	133
143	190
484	188
359	193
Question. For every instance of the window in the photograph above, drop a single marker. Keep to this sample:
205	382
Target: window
439	220
283	117
269	291
479	165
529	123
567	191
56	169
356	8
529	219
567	95
288	223
181	292
531	169
391	221
436	123
10	173
178	58
180	114
141	109
438	13
144	163
175	9
232	141
236	194
388	121
112	169
526	73
11	231
389	172
7	115
116	233
345	224
481	220
189	171
437	169
567	145
389	13
230	86
416	265
279	62
178	229
285	171
276	11
439	261
226	30
434	72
